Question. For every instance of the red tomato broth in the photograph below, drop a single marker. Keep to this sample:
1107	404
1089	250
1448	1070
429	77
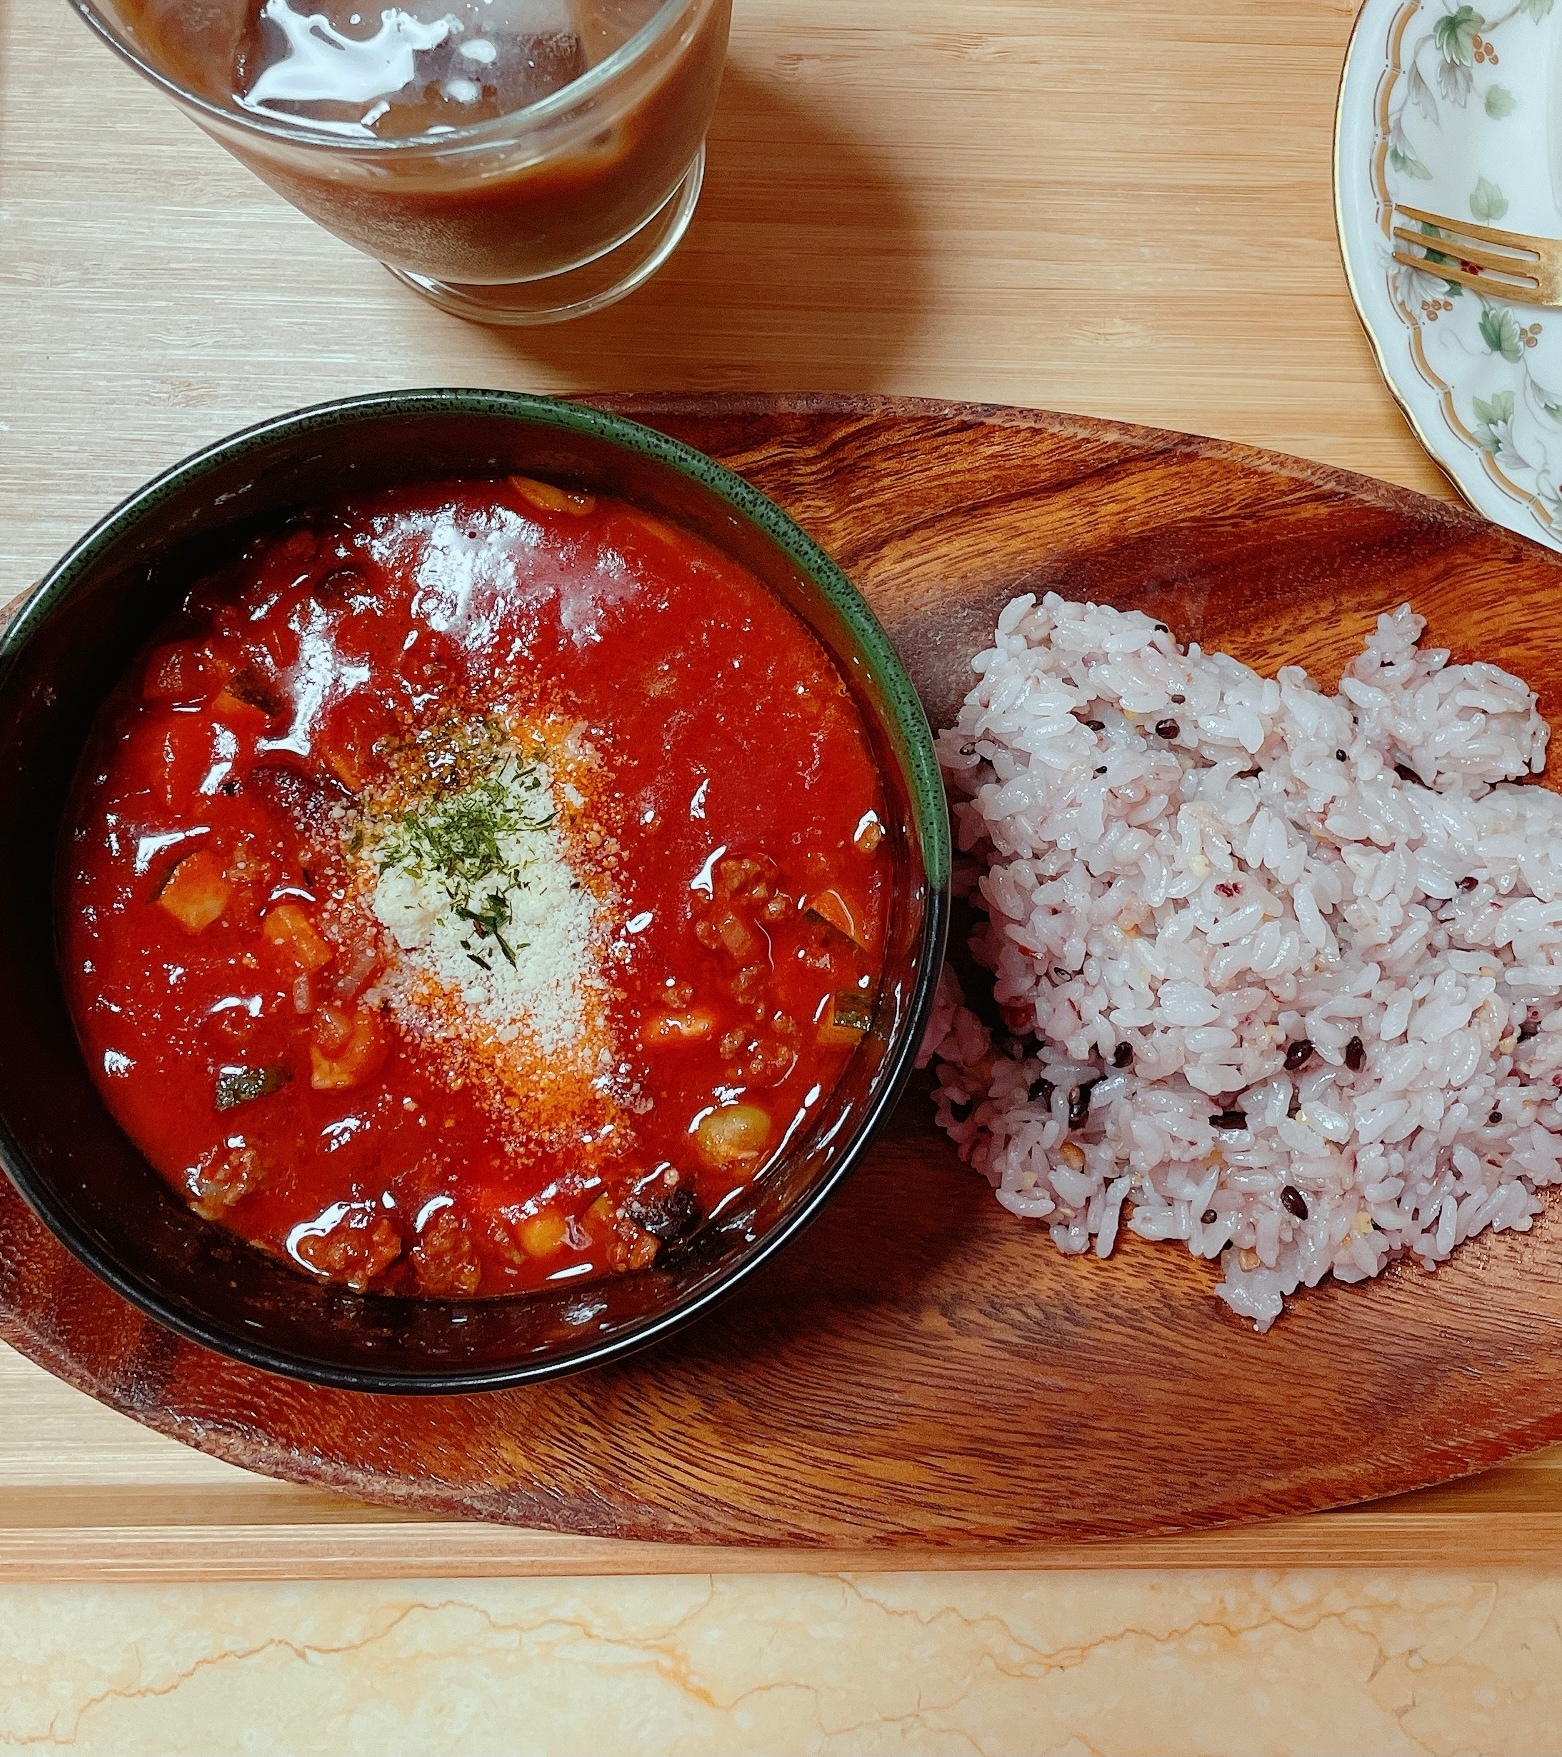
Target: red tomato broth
242	1007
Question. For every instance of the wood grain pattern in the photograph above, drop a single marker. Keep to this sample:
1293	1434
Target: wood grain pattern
1118	206
921	1374
961	189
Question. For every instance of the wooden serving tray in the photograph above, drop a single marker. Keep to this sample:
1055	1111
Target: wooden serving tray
923	1378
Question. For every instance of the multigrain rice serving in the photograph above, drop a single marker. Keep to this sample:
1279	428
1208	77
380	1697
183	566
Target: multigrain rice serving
1277	971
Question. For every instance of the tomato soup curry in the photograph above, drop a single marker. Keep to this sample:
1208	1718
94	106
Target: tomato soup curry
473	888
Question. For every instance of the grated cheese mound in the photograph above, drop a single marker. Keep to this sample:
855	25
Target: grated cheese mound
508	925
472	861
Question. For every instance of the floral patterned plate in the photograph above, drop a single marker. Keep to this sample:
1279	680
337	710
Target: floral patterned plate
1459	113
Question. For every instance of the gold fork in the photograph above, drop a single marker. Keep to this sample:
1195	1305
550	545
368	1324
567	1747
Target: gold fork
1505	265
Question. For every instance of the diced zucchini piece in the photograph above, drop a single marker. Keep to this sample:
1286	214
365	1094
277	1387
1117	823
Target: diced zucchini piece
237	1086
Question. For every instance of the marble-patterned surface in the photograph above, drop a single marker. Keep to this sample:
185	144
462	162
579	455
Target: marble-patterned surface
1013	1663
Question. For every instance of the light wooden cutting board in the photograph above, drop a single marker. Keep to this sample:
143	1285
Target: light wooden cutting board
88	1495
1074	1426
957	165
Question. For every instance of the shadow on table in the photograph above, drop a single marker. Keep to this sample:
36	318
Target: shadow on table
803	268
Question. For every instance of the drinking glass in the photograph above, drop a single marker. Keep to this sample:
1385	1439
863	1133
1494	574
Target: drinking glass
547	213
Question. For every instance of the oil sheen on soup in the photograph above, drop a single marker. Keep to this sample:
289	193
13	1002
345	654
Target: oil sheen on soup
472	888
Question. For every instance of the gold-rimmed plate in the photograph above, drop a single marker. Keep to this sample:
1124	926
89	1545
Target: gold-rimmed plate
1450	110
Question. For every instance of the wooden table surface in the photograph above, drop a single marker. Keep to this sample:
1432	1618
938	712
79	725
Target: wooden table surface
1120	208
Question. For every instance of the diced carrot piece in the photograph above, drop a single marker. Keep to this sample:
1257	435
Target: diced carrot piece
831	907
548	498
356	1061
692	1026
197	892
237	714
290	929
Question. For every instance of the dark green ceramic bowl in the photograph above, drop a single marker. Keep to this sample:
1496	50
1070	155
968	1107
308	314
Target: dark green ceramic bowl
69	645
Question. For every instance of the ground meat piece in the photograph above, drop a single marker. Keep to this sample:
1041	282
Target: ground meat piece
625	1244
445	1260
760	1060
223	1179
666	1207
358	1249
746	878
751	984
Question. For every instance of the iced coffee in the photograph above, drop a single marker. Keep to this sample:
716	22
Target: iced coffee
474	143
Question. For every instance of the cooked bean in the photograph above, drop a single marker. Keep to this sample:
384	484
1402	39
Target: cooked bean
738	1132
543	1235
